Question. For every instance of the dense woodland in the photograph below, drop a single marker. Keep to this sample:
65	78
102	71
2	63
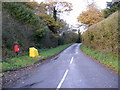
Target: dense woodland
30	24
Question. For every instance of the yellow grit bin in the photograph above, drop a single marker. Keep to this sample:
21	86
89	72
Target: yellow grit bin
33	52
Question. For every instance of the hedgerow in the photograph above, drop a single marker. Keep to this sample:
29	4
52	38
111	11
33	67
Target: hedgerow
103	36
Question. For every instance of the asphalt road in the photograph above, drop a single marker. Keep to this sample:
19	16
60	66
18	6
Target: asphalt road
70	69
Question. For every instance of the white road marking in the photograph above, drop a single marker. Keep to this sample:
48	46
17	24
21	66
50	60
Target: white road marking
76	52
62	80
71	60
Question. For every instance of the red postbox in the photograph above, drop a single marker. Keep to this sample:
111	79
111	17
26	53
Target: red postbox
16	49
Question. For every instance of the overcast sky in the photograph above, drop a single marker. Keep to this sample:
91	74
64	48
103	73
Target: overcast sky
78	7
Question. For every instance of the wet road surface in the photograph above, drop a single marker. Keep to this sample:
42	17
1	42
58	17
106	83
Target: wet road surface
70	69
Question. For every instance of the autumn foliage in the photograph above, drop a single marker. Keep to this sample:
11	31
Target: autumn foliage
91	16
45	12
51	23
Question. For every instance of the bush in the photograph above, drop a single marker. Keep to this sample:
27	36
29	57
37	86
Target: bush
103	36
49	40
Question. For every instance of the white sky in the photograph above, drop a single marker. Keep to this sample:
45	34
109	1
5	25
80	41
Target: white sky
78	7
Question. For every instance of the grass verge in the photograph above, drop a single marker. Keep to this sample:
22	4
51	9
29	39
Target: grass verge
23	61
108	59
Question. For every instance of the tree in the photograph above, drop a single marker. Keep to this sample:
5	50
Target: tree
51	23
54	8
55	14
50	7
91	16
68	37
60	6
48	12
79	37
36	7
111	8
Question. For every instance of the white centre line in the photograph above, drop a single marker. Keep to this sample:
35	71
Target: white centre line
62	80
71	60
76	52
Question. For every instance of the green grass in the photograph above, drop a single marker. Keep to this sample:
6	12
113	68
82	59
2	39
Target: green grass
108	59
23	61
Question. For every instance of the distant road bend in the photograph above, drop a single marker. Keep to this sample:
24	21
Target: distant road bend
70	69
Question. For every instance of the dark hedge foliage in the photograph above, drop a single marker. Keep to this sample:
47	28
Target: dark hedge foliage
111	8
25	15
